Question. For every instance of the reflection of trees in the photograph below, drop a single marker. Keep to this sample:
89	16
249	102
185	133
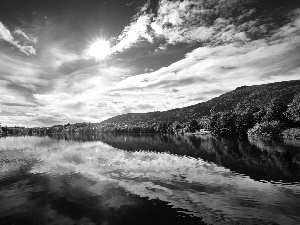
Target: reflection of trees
279	157
268	160
77	136
258	159
292	142
267	145
195	142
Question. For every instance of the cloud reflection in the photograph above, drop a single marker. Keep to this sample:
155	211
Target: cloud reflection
203	189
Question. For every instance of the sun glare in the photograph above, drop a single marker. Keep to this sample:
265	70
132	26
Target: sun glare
99	50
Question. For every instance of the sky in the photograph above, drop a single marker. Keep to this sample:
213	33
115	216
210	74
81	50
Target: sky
72	61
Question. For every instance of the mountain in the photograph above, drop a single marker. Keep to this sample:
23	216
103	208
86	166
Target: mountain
238	99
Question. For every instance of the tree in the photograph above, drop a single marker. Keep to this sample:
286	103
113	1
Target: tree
214	125
213	111
266	129
194	126
244	105
176	126
227	123
159	128
293	112
223	123
244	122
164	128
276	111
259	115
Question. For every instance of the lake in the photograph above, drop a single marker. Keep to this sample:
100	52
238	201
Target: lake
148	179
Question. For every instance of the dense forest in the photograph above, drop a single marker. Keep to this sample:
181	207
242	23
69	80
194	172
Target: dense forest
237	100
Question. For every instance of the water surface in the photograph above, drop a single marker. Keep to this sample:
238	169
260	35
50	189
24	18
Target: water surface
148	179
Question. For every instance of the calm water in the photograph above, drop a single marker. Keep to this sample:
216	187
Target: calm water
148	179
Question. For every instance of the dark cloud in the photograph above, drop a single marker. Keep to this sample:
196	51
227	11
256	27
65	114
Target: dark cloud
75	106
179	83
75	65
228	67
49	121
174	90
144	106
204	94
165	84
156	59
198	99
102	105
116	102
114	94
26	92
17	104
128	109
21	87
215	91
5	113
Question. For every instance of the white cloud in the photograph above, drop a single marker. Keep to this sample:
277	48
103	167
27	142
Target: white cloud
210	71
58	55
176	22
19	71
189	21
133	33
84	95
22	33
147	70
6	35
221	22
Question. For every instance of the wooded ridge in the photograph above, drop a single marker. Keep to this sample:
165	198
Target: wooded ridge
237	100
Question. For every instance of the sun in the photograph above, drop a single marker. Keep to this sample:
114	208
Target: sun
100	49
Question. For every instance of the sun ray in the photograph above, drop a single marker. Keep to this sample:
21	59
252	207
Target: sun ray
100	49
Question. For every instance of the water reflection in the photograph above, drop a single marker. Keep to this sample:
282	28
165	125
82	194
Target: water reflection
49	181
275	161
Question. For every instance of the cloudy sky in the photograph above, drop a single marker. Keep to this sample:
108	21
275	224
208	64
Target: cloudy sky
73	61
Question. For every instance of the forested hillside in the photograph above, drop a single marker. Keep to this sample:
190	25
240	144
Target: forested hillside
237	100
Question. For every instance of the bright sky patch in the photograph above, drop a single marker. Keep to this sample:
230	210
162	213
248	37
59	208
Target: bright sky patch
99	49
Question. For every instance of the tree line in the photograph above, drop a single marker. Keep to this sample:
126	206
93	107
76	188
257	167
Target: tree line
277	119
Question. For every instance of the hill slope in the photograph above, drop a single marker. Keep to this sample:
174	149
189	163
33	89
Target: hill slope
241	97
